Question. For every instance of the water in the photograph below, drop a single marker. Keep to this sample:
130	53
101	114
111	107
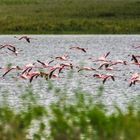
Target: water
47	47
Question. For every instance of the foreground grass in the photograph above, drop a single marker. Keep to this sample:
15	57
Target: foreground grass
77	117
70	16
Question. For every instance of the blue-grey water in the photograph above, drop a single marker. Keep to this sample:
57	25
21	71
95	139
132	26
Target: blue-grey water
47	47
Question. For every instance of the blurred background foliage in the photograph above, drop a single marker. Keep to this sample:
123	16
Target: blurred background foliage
70	16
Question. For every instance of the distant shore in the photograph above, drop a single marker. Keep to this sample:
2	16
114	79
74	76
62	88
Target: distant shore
69	17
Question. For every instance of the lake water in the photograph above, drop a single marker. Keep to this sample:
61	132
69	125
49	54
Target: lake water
47	47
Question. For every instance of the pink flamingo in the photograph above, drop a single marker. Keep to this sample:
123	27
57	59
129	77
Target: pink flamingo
63	58
79	48
86	68
28	67
10	47
105	64
44	64
11	68
102	58
25	38
47	76
135	77
118	62
25	68
104	77
67	65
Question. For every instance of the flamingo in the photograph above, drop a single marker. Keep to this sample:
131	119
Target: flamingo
47	76
10	47
56	75
67	65
106	64
136	47
14	51
11	68
25	38
25	68
102	58
45	65
63	58
87	69
79	48
135	77
104	77
118	62
28	67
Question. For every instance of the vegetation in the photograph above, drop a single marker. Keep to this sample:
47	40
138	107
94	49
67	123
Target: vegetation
77	117
69	16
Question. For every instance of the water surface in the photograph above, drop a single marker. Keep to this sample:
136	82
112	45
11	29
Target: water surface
47	47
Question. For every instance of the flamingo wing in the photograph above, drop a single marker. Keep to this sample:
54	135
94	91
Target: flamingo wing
28	40
105	80
7	72
83	50
41	62
112	77
134	58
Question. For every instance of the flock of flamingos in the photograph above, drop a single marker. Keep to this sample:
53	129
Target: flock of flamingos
50	70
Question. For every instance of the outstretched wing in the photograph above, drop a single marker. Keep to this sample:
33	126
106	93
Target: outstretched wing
107	54
40	62
31	79
112	77
134	58
7	72
105	80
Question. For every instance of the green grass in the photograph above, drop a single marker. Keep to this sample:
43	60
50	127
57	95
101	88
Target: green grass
69	16
77	117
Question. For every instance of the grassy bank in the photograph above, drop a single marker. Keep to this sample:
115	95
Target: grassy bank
77	117
70	16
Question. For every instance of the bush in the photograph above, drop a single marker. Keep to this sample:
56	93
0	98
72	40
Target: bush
76	117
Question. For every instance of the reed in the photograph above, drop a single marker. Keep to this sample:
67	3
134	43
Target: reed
77	117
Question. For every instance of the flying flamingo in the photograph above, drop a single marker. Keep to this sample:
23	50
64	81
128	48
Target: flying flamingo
14	51
135	77
25	68
25	38
108	64
56	75
10	47
11	68
63	58
79	48
47	76
102	58
86	68
118	62
104	77
28	67
105	64
67	65
44	64
136	47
